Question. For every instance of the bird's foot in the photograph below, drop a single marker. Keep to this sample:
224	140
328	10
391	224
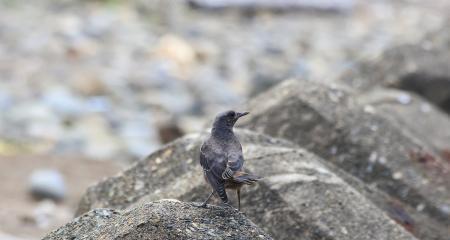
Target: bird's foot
228	205
203	205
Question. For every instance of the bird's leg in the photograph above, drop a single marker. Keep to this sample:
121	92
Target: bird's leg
203	205
238	191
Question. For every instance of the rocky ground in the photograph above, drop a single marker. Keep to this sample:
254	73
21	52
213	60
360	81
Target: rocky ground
110	80
339	161
164	219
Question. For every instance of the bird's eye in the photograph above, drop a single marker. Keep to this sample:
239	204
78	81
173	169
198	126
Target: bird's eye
231	114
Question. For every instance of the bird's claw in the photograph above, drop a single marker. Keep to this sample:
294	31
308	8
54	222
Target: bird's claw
203	205
228	205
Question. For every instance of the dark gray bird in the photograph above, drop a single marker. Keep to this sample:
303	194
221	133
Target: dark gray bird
222	160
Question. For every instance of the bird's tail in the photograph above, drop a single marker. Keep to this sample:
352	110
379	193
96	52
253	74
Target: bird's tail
245	178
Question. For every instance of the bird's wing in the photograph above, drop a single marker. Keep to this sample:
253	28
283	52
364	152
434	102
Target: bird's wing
212	160
203	160
213	167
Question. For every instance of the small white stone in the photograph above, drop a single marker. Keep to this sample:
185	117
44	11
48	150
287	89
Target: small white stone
420	207
373	157
369	109
397	175
404	98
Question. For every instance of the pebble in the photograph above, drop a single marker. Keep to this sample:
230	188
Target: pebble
62	101
404	98
44	213
47	184
397	175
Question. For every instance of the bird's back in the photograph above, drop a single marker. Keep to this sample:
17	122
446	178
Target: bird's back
216	152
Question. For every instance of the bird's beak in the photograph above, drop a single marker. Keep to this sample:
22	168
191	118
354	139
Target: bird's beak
239	115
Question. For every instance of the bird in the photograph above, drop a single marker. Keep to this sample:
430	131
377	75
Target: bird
222	159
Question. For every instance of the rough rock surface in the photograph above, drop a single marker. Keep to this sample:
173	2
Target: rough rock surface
369	140
419	118
299	196
422	68
165	219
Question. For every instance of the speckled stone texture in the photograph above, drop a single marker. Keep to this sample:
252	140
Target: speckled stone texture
299	196
381	138
165	219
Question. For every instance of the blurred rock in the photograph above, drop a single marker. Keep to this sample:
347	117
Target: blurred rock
169	131
44	213
366	141
47	184
140	57
89	85
99	141
176	100
422	68
98	104
180	52
138	136
299	196
412	113
165	219
6	100
211	91
339	5
63	101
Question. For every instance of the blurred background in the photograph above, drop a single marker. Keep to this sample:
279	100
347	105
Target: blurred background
86	87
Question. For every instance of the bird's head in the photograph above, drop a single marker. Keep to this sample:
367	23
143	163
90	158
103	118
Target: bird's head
226	120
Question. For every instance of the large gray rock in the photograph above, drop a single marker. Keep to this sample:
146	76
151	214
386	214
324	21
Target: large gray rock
415	115
422	68
165	219
377	141
299	197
